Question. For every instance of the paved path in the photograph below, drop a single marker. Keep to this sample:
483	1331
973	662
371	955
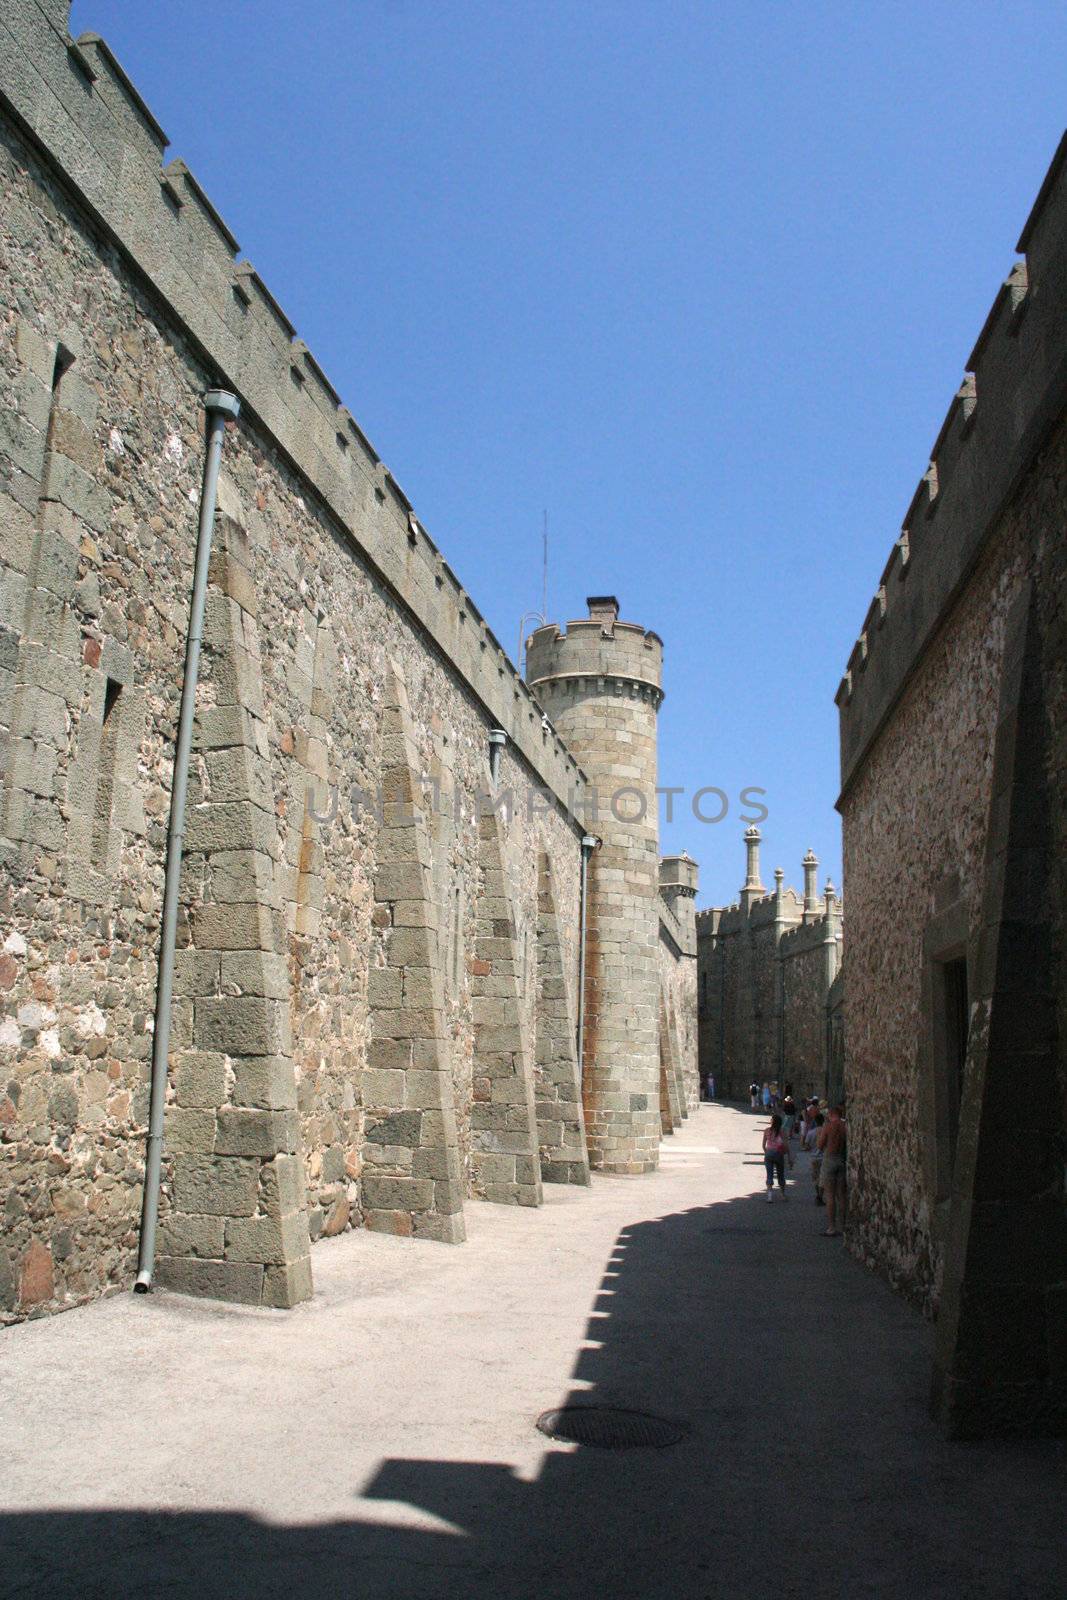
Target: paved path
380	1441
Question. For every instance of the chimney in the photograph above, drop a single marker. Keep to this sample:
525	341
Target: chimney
603	608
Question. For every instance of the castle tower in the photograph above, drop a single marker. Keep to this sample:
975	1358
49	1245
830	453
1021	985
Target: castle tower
678	879
600	683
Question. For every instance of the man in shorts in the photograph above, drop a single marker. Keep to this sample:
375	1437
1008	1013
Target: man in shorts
832	1143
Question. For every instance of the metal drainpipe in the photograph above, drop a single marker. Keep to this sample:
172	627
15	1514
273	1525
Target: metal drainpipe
220	405
589	844
497	740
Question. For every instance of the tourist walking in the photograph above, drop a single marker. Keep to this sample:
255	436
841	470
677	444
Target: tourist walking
766	1097
753	1094
832	1143
812	1144
776	1153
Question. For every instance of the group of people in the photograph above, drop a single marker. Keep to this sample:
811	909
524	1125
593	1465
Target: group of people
820	1131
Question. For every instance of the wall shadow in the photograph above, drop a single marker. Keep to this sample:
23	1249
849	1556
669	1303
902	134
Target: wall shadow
810	1466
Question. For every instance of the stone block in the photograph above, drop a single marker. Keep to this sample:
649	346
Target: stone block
282	1185
238	877
247	1132
388	1055
237	774
384	988
436	1162
196	973
383	1089
239	826
214	1185
181	1235
188	1131
200	1078
397	1128
415	912
287	1286
425	1090
218	727
265	1082
398	1223
247	1025
237	1281
445	1229
391	1194
272	1241
255	972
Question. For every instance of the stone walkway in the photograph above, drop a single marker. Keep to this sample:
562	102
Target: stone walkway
380	1441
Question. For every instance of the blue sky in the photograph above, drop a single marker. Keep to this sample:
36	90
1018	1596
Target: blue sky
697	279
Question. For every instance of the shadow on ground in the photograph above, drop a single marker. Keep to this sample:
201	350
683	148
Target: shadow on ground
810	1467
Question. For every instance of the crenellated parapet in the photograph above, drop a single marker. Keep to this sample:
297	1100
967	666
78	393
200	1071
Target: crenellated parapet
84	115
622	657
1013	389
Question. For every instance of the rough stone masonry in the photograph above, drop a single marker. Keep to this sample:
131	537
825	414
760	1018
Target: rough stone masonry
377	1004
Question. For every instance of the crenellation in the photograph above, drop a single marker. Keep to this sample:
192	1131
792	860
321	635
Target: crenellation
955	831
377	981
123	100
244	347
1015	380
1039	241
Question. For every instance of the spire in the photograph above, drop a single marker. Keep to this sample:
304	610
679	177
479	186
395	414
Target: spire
752	844
811	892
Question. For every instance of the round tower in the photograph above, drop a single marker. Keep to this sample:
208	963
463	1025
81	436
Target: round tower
600	682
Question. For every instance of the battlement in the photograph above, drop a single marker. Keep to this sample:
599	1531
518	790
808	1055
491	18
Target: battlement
82	113
1013	391
597	647
805	936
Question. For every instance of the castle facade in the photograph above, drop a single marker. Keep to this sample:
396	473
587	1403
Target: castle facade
770	999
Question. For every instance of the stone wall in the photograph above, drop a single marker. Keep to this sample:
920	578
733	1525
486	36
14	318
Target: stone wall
934	761
376	979
954	732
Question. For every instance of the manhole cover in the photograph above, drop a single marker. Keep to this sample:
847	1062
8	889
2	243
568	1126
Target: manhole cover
610	1427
